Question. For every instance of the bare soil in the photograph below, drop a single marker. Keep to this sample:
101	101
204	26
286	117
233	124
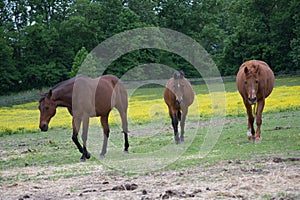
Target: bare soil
274	178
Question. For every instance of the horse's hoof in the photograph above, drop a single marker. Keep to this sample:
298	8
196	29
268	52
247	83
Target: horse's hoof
82	160
177	140
102	156
251	138
249	134
181	140
88	155
258	140
126	152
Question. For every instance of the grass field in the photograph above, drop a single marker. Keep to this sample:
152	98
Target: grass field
52	155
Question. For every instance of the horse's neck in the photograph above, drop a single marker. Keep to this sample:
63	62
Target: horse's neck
62	97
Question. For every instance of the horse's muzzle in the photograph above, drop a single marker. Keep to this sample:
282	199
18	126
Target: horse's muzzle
178	101
252	100
44	127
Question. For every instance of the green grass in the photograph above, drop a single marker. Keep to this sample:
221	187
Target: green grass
37	149
55	148
280	138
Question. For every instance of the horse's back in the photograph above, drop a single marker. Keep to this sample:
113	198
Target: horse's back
119	94
189	96
268	78
83	97
96	97
112	93
265	76
169	96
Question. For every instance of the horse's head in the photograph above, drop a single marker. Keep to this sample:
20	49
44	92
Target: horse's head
47	109
178	87
251	82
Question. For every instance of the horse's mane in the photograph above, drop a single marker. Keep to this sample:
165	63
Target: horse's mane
71	80
64	82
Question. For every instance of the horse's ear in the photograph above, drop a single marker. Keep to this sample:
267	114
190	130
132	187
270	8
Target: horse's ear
176	75
41	93
181	74
246	70
49	94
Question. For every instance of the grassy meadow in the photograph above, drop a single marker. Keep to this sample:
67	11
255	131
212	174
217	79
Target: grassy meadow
151	136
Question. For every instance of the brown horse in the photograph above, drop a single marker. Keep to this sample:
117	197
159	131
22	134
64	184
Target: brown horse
84	98
178	95
255	82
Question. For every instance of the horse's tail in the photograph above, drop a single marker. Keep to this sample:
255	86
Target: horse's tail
120	102
179	115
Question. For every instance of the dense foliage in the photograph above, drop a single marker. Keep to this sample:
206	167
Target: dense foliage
43	42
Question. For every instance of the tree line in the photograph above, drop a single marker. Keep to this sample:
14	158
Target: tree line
44	42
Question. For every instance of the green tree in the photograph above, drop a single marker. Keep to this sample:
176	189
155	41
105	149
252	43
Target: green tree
40	40
9	75
145	9
89	67
78	60
295	42
258	30
38	76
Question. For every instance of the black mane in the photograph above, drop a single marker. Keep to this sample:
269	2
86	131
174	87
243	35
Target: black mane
43	96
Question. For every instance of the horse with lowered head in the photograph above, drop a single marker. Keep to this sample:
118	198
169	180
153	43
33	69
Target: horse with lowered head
255	82
84	98
178	96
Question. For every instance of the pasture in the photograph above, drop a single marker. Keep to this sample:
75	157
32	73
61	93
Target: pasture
40	165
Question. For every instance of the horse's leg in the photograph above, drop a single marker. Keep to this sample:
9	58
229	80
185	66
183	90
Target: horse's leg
182	124
123	115
260	107
76	126
104	123
175	125
85	127
251	131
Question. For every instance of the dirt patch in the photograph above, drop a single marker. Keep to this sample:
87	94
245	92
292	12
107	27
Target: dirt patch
274	178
